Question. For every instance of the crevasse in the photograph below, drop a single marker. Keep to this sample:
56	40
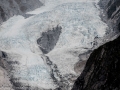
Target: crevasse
80	22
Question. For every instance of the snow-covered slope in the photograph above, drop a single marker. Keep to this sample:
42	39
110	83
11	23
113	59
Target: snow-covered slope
80	24
51	4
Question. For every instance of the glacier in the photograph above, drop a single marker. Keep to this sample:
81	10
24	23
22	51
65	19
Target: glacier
81	23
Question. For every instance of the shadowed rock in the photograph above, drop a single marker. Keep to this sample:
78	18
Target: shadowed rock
102	70
9	8
112	9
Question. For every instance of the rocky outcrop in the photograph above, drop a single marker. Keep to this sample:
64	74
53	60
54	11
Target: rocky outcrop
112	9
9	8
102	70
49	39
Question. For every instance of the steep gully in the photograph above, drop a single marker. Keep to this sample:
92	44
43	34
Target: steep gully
101	71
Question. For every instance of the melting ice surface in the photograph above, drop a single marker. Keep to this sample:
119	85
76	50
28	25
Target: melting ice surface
80	24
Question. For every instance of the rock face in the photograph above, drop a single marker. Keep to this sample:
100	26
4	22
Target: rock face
49	39
112	9
9	8
102	70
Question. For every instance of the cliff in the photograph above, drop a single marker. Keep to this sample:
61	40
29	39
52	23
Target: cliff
112	10
102	70
9	8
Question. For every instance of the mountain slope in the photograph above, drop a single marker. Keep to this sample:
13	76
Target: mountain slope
9	8
47	45
102	68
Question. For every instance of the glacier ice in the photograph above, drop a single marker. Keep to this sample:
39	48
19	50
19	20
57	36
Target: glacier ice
80	22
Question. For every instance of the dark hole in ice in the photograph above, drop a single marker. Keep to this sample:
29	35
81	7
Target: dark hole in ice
49	39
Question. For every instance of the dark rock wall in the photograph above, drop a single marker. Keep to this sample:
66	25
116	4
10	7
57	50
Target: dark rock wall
9	8
102	70
112	9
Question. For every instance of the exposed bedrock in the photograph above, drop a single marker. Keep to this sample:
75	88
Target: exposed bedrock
9	8
112	9
102	70
49	39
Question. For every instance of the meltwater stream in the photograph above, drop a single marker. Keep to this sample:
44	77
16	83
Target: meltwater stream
80	22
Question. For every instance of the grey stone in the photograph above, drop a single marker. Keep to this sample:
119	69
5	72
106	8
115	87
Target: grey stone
9	8
102	70
49	39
